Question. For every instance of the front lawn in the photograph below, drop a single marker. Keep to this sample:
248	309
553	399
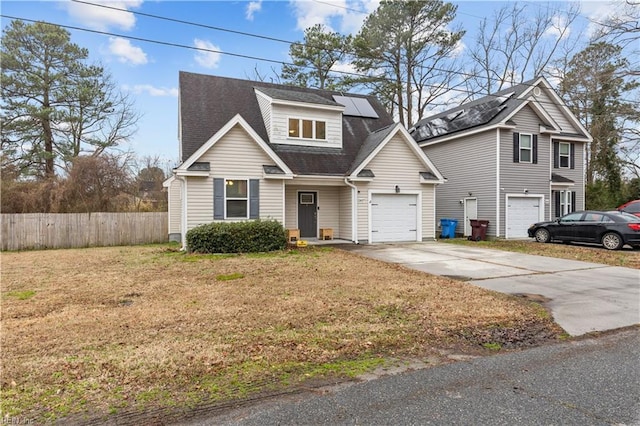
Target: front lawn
586	253
125	331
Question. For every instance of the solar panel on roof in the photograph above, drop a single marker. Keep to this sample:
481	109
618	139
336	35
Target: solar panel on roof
357	107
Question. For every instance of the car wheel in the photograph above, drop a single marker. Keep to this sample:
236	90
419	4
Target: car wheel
542	235
611	241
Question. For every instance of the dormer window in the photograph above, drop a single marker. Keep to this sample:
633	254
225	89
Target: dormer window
307	129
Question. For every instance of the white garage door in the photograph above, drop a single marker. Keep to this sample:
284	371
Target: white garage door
394	217
522	212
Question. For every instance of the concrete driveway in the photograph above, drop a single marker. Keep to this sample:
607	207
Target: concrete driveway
583	297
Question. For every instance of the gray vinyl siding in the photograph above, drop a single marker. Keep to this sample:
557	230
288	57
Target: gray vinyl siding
396	164
576	175
280	115
469	165
175	207
329	198
235	156
556	112
516	177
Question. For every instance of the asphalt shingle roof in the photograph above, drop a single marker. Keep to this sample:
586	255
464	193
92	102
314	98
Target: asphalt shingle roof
208	102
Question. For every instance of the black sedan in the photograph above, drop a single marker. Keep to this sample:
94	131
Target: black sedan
611	229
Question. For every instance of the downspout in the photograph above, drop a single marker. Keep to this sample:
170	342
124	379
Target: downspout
354	211
498	179
183	216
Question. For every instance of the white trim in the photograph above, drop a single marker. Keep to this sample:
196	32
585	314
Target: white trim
530	148
568	138
236	120
464	215
538	110
560	155
298	104
183	207
311	180
561	185
193	173
468	133
498	160
167	182
300	129
246	199
408	139
354	210
557	100
372	192
541	208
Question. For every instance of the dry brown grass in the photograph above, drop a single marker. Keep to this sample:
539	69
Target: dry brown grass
586	253
107	330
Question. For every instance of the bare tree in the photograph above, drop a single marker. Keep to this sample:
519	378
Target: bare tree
623	29
514	46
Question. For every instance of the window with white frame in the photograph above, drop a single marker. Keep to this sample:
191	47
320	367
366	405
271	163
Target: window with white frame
565	202
307	129
236	199
564	153
526	148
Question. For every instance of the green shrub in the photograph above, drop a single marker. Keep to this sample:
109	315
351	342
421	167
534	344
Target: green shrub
237	237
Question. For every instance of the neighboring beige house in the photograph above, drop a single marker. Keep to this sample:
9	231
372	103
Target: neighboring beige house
513	158
318	161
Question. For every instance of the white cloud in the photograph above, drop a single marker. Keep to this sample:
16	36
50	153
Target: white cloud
207	59
101	18
344	67
558	27
126	52
151	90
600	11
344	16
253	7
459	49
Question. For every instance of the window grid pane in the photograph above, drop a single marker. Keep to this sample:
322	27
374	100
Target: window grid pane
294	128
321	130
307	129
236	208
236	189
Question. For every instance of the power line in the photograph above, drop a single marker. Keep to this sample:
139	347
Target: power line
464	74
244	56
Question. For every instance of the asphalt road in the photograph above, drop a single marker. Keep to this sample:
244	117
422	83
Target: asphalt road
590	381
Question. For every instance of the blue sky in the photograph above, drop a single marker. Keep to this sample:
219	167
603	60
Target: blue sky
149	71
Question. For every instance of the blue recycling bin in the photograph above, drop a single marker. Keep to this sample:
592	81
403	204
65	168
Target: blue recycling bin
448	228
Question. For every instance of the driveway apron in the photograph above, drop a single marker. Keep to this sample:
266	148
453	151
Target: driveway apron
583	297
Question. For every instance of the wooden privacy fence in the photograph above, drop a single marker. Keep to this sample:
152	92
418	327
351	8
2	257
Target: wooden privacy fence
67	230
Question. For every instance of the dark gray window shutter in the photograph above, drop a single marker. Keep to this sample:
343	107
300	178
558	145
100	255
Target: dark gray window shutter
218	198
516	147
572	156
254	199
556	155
573	201
535	149
556	195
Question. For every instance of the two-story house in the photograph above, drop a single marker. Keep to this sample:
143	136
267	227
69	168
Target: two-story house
513	158
315	160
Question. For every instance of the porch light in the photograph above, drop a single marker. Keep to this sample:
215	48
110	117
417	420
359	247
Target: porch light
397	189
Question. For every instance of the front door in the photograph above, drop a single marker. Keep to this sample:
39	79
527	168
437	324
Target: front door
470	212
308	214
